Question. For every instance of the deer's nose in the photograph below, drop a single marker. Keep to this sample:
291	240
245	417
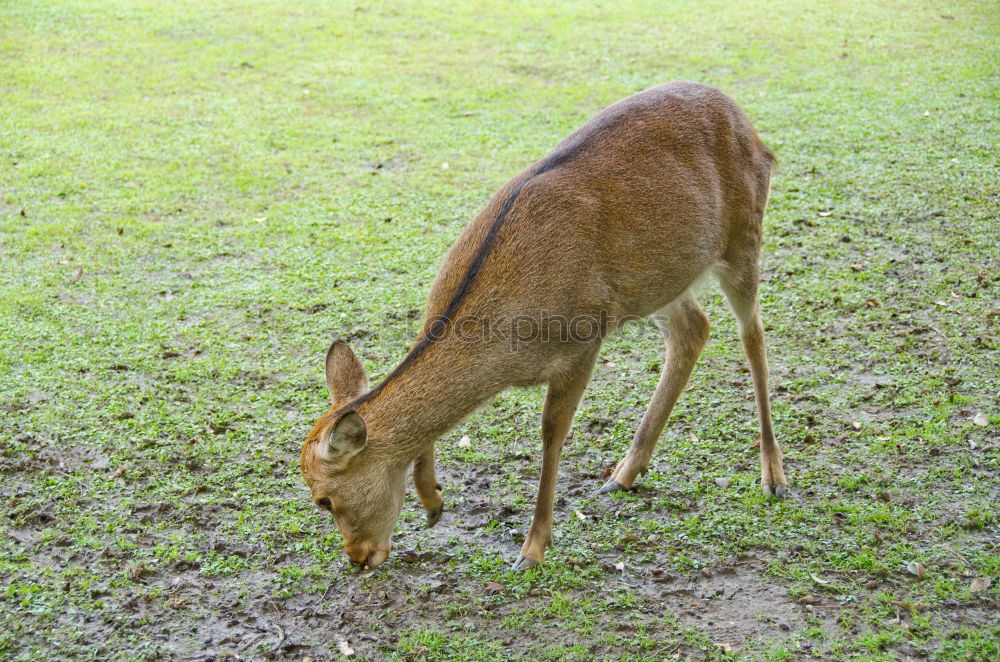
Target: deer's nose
366	554
358	553
377	557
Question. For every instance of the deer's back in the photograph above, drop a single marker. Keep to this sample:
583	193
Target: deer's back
621	217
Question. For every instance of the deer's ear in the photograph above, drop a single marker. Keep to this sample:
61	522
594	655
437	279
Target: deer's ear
345	439
345	376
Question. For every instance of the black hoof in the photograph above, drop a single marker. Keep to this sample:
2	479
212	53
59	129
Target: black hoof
433	516
523	563
612	486
777	491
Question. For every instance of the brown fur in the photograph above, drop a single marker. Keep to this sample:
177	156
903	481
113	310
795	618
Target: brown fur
619	221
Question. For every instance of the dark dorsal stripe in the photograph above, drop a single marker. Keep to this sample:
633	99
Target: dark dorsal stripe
550	162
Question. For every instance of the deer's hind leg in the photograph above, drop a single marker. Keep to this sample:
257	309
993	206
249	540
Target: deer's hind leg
685	330
739	280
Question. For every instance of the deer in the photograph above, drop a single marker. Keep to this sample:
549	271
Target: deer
620	221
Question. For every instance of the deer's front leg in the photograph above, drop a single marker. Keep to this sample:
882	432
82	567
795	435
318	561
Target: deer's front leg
428	489
557	417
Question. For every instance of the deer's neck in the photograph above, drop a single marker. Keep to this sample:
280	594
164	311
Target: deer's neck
426	399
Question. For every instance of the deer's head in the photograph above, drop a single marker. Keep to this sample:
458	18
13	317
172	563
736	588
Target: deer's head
346	475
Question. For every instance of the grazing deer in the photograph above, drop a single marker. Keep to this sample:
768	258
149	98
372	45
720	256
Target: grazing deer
619	221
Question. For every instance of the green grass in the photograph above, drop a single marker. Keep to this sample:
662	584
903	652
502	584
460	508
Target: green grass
195	198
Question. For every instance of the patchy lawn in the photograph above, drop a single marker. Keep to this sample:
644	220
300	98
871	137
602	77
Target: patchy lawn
197	197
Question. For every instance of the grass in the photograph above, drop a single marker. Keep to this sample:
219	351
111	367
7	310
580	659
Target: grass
195	198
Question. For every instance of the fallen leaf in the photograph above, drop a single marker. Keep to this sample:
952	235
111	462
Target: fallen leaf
464	442
137	571
723	482
857	425
79	274
916	569
912	607
176	601
493	588
808	600
580	516
824	214
444	166
981	419
724	647
980	584
345	648
819	580
620	566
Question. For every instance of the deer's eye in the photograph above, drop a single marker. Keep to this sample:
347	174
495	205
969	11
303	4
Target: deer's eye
325	504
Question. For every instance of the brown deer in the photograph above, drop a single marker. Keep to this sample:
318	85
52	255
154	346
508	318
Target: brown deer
619	221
